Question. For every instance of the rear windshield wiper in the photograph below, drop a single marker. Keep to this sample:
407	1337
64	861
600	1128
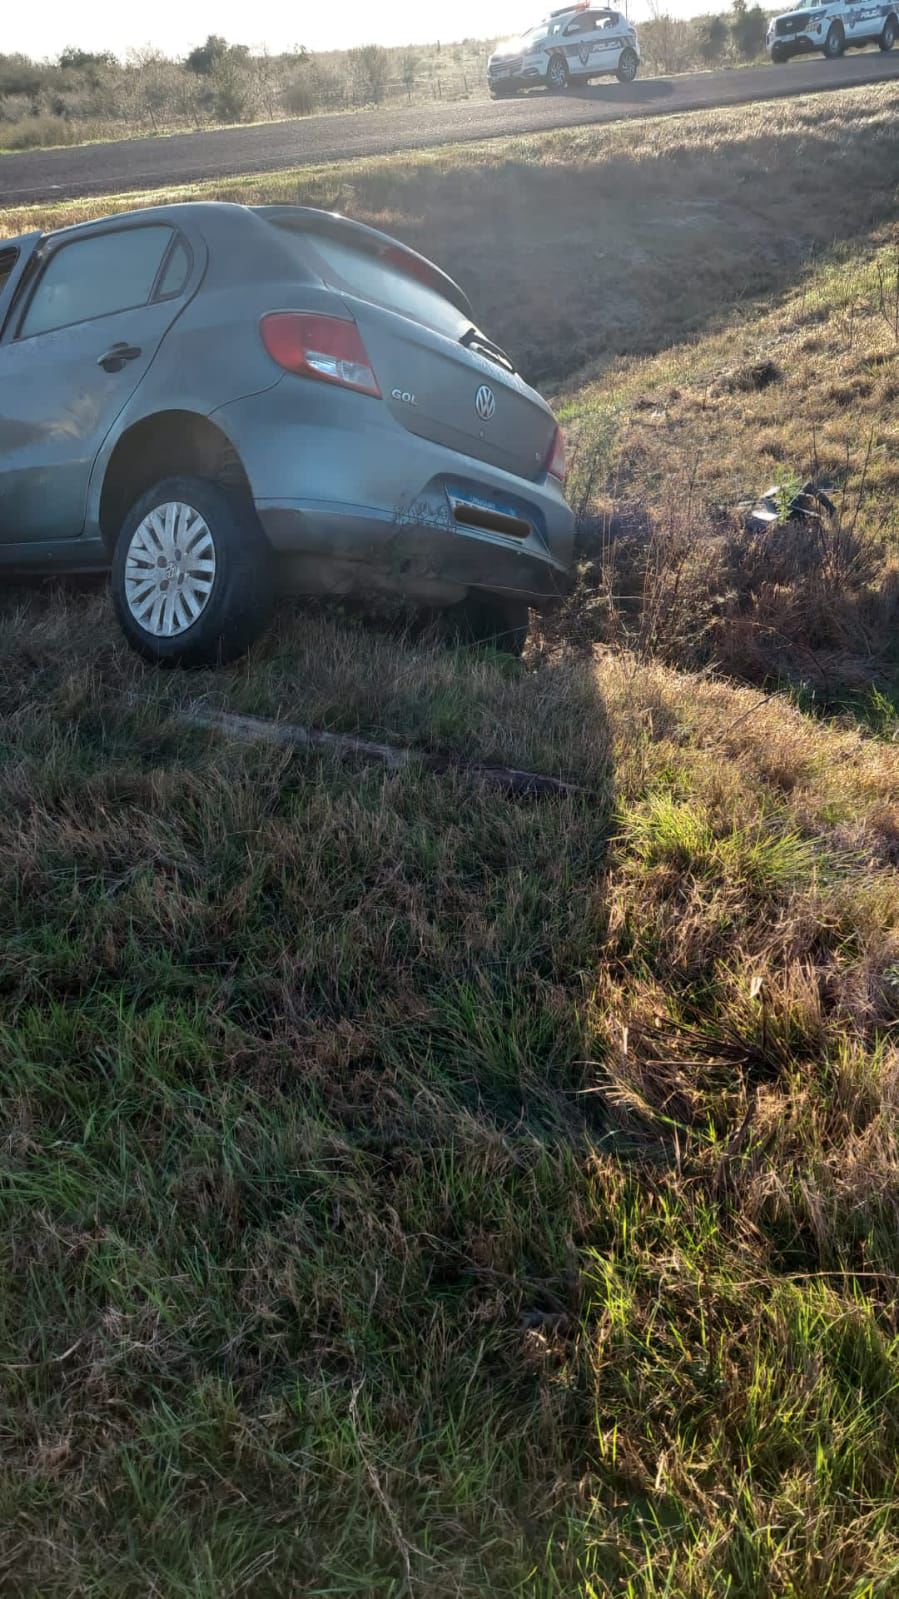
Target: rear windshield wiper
481	345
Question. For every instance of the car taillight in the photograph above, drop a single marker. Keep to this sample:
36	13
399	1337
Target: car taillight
324	347
556	463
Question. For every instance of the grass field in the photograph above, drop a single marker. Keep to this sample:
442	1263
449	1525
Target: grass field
410	1190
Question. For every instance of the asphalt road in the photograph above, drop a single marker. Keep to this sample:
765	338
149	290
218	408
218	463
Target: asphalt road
142	164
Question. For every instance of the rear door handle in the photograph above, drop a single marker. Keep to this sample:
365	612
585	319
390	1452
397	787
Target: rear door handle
115	358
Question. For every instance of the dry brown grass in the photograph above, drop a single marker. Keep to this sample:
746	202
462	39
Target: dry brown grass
666	448
827	405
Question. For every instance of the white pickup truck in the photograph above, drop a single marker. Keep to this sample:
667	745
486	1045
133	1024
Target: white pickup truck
834	27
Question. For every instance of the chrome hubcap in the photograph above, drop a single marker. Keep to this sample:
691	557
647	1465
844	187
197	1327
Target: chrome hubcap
169	570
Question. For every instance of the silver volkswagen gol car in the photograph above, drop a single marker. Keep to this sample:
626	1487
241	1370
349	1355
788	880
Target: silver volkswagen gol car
225	403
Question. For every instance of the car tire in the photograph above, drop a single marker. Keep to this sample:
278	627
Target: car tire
835	43
628	65
490	620
503	94
778	55
890	34
199	615
557	75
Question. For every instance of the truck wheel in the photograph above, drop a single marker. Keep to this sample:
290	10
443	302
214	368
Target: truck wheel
191	574
778	54
890	32
558	77
835	43
628	65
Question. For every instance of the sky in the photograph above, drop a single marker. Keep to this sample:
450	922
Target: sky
171	26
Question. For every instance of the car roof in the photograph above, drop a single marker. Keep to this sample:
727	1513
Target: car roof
574	11
291	218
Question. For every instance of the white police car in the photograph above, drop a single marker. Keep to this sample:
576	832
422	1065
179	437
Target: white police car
579	42
834	27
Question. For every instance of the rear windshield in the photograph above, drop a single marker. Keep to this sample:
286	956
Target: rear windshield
356	272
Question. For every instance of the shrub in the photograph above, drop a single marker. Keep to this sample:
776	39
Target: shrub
205	58
231	90
711	36
18	75
667	44
298	97
72	60
34	133
748	29
370	65
409	71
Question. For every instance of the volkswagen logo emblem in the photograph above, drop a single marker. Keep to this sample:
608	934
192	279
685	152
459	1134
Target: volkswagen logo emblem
485	403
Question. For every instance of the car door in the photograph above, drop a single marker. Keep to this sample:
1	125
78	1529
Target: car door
607	41
869	21
78	337
580	39
852	18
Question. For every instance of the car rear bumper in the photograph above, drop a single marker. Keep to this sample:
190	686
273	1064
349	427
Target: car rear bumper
353	501
349	549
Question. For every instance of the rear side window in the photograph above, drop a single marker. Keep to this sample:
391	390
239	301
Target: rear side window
8	259
356	272
175	273
95	277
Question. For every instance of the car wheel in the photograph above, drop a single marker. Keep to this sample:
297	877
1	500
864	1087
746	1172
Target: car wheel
890	33
835	43
558	76
502	94
778	55
191	574
490	620
628	66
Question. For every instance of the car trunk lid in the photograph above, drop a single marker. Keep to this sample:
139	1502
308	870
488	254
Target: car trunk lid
442	389
439	375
